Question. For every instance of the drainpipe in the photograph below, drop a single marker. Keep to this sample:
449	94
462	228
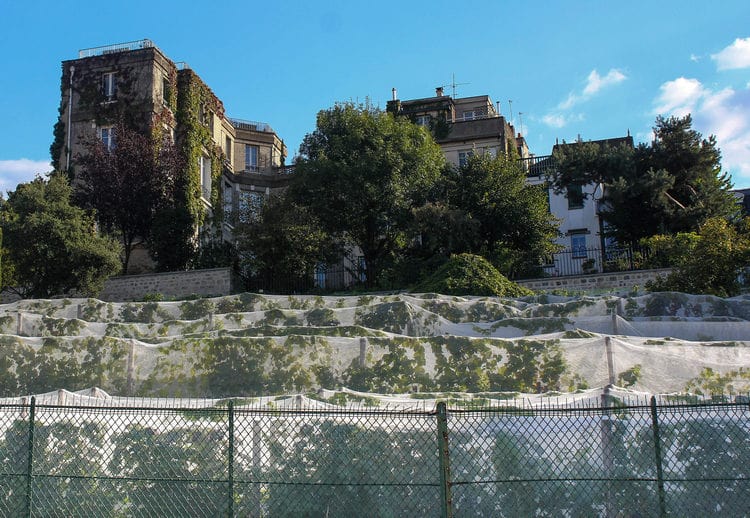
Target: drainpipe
70	115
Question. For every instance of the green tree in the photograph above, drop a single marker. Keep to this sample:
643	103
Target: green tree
707	262
672	185
283	242
361	172
516	229
129	184
53	245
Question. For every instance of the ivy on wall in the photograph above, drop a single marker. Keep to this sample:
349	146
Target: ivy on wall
196	104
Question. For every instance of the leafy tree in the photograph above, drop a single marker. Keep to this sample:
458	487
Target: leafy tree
128	184
709	261
171	241
516	229
361	172
284	242
672	185
53	246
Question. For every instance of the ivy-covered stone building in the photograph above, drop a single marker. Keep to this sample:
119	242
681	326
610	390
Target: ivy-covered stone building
231	163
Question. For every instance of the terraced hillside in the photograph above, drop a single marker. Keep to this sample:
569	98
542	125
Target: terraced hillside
417	345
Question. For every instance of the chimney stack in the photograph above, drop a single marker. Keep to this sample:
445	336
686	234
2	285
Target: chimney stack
393	93
439	91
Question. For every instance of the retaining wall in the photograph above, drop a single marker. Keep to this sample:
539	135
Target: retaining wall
213	282
603	281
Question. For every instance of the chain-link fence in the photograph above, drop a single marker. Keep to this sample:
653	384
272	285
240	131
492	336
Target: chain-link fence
233	459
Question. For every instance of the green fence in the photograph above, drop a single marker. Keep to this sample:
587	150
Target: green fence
232	460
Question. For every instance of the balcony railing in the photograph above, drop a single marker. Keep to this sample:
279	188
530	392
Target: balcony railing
117	47
251	125
585	261
538	165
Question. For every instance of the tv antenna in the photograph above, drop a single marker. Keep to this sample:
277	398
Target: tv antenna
453	85
510	103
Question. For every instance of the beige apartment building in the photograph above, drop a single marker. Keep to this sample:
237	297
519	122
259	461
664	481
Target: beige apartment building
462	126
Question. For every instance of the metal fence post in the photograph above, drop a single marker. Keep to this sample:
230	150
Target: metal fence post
230	459
30	458
445	465
657	453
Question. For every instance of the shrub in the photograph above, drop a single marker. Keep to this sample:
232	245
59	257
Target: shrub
467	274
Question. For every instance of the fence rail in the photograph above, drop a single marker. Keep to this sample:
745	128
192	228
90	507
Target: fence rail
584	261
639	460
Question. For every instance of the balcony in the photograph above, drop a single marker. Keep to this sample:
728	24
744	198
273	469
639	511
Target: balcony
538	165
251	125
115	48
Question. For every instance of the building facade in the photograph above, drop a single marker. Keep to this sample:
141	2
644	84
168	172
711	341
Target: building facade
582	229
462	126
469	125
230	163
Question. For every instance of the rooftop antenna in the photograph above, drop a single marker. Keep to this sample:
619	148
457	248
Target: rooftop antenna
453	85
510	103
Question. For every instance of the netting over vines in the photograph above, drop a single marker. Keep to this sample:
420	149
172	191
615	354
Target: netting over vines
415	346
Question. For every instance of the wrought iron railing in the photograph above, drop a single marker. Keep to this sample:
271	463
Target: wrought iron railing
538	165
585	261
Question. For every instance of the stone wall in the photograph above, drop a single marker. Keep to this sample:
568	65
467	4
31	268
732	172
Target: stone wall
213	282
616	281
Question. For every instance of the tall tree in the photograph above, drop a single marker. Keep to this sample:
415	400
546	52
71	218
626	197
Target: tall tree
282	242
128	180
53	245
516	229
361	172
672	185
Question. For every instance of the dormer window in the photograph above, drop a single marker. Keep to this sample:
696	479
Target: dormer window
109	86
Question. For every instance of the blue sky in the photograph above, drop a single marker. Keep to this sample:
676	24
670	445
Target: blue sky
591	68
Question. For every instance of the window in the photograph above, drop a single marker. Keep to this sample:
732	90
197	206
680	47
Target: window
205	165
165	92
109	86
575	196
107	135
228	205
423	120
463	157
251	158
578	244
469	115
320	276
228	149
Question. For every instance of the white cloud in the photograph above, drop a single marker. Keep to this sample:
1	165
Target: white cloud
724	113
694	58
679	97
736	55
559	120
554	120
595	82
13	172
